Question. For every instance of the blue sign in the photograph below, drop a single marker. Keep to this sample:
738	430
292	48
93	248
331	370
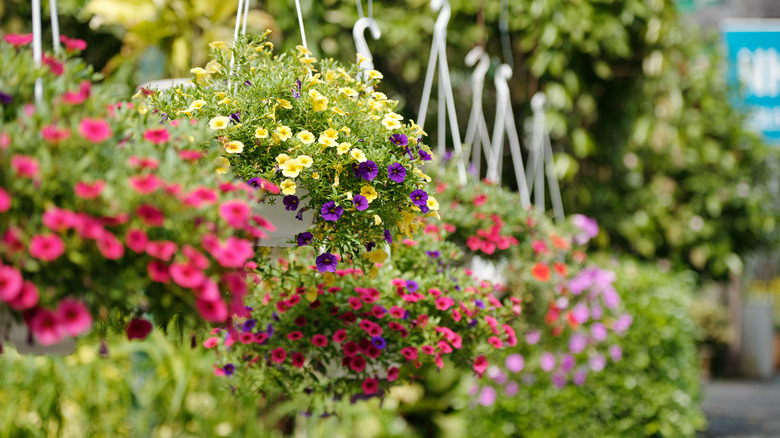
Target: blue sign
754	68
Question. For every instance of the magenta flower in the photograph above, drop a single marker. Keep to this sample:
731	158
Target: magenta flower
319	340
46	247
515	363
45	325
326	262
487	396
396	172
360	201
598	331
533	337
73	316
212	310
5	201
25	167
95	130
597	362
278	355
10	283
140	328
480	365
588	226
399	139
547	362
331	212
370	386
27	298
235	213
615	352
577	343
186	275
157	135
392	374
579	377
511	389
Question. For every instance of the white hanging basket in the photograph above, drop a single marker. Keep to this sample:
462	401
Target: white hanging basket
287	224
19	335
484	269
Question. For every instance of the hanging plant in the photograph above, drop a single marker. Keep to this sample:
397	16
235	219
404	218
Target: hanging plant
356	333
105	214
327	138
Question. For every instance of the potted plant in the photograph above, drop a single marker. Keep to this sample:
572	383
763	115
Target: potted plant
105	214
327	138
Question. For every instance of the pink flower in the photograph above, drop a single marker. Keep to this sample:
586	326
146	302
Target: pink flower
58	220
27	298
188	155
45	325
487	397
25	167
46	247
95	130
474	243
151	216
480	365
211	342
110	247
294	336
52	134
515	363
278	355
186	275
158	272
392	374
86	190
201	196
370	385
410	353
5	201
138	328
357	363
73	316
445	347
10	283
157	135
234	253
145	184
163	249
212	311
444	303
495	342
397	312
339	336
55	66
73	43
319	340
208	290
427	349
297	360
18	39
547	362
235	213
143	162
136	240
355	303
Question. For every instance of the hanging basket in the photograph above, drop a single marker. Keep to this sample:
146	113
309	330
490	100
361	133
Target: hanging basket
19	335
288	223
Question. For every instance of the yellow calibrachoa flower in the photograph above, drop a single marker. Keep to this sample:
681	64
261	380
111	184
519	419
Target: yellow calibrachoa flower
377	219
218	45
234	147
391	124
338	111
417	129
223	164
330	76
315	175
346	130
358	155
369	192
336	181
349	92
302	50
199	72
142	108
288	187
320	104
377	256
282	133
225	101
378	95
432	203
305	160
330	133
394	116
306	137
344	148
419	173
374	74
197	104
284	103
213	66
361	59
281	158
261	133
291	168
219	122
343	73
308	61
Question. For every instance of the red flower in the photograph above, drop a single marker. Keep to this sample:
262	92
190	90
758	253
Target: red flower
410	353
541	272
357	364
18	40
351	348
339	336
139	328
73	43
278	355
392	374
370	386
297	360
319	340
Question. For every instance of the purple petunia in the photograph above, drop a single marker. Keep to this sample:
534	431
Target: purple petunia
412	285
229	369
388	236
304	238
367	170
399	139
331	212
326	262
379	342
248	325
236	117
419	198
433	254
396	172
5	99
296	93
360	201
425	156
290	202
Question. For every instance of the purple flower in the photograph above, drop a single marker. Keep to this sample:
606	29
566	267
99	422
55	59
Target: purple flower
304	238
567	363
547	362
296	93
396	172
326	262
360	201
511	389
588	226
399	139
236	117
515	363
433	254
616	353
367	170
424	208
247	83
253	182
379	342
597	363
424	155
5	99
622	324
388	236
299	216
419	198
479	303
290	202
559	380
228	369
370	246
248	325
412	285
598	331
487	396
409	152
577	343
579	377
532	337
447	156
331	212
580	313
270	329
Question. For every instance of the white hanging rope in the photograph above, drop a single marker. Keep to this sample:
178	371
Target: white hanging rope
55	26
541	160
37	47
445	95
239	11
477	133
300	24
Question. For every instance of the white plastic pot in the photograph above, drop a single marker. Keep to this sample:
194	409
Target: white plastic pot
19	335
286	223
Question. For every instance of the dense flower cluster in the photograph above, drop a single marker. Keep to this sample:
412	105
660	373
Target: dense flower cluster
355	332
105	213
327	137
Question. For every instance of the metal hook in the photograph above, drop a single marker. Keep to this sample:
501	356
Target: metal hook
477	124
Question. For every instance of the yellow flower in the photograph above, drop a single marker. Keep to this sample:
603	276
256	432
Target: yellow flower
419	173
142	108
291	168
218	45
330	76
358	155
261	133
282	132
284	103
225	101
198	104
198	71
330	133
344	148
336	181
394	116
361	59
338	111
288	187
378	95
305	160
220	94
281	158
346	130
219	122
234	147
376	256
369	192
213	66
314	94
377	219
308	61
432	203
222	164
391	124
302	50
320	104
329	142
306	137
315	175
374	74
348	92
417	129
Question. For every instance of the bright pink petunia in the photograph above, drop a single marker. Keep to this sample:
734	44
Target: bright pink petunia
161	249
370	386
86	190
201	196
145	184
5	201
46	247
186	275
319	340
235	213
151	215
189	155
95	130
73	316
25	167
53	134
73	43
196	258
339	336
480	365
211	342
143	162
10	283
297	360
357	363
27	298
278	355
46	326
410	353
138	328
208	290
54	64
158	272
110	247
157	135
392	374
136	240
58	220
212	311
18	39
